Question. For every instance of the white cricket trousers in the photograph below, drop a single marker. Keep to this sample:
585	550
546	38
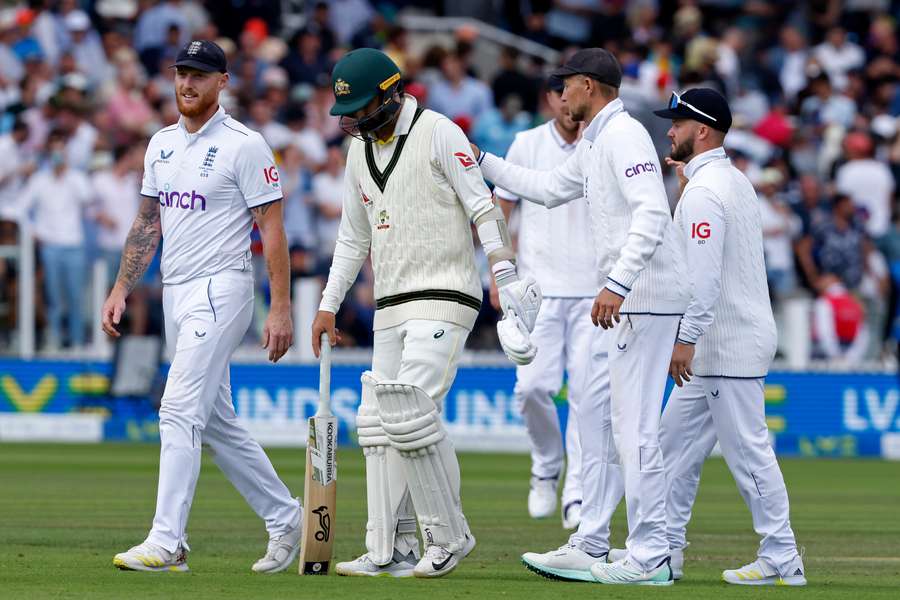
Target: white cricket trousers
733	411
639	355
563	333
603	486
206	318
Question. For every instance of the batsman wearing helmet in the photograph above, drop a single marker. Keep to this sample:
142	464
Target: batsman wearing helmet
412	190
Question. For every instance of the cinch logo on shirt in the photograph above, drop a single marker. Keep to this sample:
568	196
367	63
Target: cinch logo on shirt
185	200
647	167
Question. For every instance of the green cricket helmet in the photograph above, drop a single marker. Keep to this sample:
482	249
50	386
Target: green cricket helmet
359	77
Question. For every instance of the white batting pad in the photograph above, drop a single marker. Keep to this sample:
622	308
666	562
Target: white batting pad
389	507
413	426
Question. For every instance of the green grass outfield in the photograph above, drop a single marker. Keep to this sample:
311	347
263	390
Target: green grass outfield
65	510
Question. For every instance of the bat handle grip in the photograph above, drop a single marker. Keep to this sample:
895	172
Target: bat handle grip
324	409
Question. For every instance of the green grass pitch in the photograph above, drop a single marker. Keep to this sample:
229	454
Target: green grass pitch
65	510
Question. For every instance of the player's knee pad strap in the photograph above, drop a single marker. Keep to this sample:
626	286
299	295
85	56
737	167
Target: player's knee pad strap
413	426
417	433
369	432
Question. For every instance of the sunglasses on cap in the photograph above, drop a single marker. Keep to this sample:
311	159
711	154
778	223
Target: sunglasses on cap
675	101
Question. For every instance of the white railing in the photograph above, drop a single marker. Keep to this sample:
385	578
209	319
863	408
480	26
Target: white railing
430	24
794	325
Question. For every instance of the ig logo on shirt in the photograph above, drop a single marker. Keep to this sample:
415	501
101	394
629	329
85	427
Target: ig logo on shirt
271	175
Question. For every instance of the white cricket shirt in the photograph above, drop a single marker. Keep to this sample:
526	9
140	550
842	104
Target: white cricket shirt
729	316
556	246
206	183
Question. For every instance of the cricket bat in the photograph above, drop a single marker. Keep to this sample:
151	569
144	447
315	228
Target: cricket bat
320	489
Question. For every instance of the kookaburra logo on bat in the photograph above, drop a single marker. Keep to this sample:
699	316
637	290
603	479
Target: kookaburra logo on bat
324	524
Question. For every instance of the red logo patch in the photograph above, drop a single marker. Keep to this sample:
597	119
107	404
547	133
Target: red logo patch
365	199
700	230
464	159
271	175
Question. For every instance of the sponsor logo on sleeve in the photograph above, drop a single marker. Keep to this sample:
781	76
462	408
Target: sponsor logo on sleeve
465	160
646	167
271	175
367	202
700	231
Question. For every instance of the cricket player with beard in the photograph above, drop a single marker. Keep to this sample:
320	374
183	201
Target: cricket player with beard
725	344
206	180
557	249
643	295
412	190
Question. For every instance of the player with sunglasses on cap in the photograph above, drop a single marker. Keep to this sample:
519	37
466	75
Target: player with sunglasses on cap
726	342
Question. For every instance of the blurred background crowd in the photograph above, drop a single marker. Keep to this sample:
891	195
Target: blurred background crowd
814	87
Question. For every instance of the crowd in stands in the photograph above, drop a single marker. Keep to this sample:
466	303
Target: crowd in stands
814	88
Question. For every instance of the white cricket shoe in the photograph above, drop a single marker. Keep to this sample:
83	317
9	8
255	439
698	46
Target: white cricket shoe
623	572
281	552
677	555
150	557
400	566
439	561
567	563
542	497
571	515
760	572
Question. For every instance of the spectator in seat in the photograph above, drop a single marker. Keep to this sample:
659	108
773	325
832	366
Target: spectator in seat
495	131
58	195
456	94
780	225
327	194
868	182
837	246
839	323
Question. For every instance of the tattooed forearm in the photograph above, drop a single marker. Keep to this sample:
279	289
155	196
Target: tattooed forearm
261	210
141	244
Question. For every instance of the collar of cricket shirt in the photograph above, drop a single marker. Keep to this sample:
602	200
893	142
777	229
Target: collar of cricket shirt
219	115
558	138
404	119
601	119
704	158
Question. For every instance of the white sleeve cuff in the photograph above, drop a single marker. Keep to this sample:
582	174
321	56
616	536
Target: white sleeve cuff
622	278
328	305
617	288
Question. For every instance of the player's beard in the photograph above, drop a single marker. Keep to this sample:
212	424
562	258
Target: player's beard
577	113
201	106
683	151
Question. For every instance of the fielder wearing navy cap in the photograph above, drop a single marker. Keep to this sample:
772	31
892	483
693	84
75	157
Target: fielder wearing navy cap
703	105
596	63
555	84
202	55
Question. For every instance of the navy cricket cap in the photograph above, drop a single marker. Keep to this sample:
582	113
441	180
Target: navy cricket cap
202	55
597	63
556	84
704	105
